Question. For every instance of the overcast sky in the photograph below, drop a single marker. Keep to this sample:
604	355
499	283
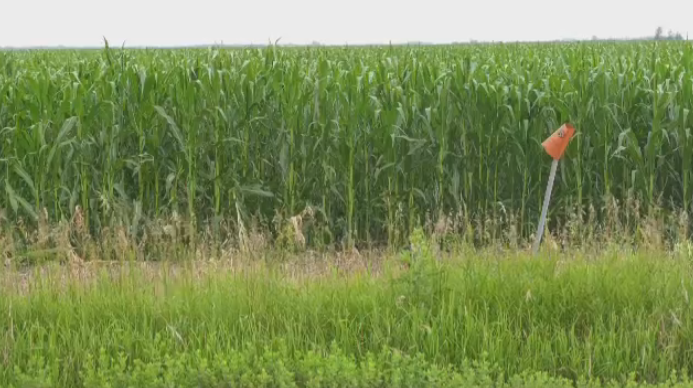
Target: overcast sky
176	22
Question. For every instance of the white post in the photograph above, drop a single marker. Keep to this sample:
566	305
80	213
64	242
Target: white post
545	208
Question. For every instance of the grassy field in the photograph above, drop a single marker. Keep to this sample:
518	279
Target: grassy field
463	319
333	217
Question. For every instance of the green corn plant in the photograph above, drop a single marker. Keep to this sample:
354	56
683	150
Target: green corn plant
378	138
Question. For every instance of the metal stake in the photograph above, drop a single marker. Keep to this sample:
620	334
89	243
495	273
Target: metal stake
545	208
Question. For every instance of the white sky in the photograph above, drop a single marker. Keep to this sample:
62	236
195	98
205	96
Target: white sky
177	22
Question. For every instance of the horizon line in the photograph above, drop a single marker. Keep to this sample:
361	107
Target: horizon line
333	45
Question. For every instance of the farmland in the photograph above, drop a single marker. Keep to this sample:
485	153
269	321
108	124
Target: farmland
375	141
345	216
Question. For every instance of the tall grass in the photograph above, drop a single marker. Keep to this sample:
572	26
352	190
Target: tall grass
375	140
604	317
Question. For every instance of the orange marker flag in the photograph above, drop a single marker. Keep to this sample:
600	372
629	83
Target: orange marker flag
555	146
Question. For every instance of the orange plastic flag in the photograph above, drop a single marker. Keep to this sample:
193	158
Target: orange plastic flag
556	144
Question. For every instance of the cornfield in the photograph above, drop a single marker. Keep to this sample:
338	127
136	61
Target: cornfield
376	140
